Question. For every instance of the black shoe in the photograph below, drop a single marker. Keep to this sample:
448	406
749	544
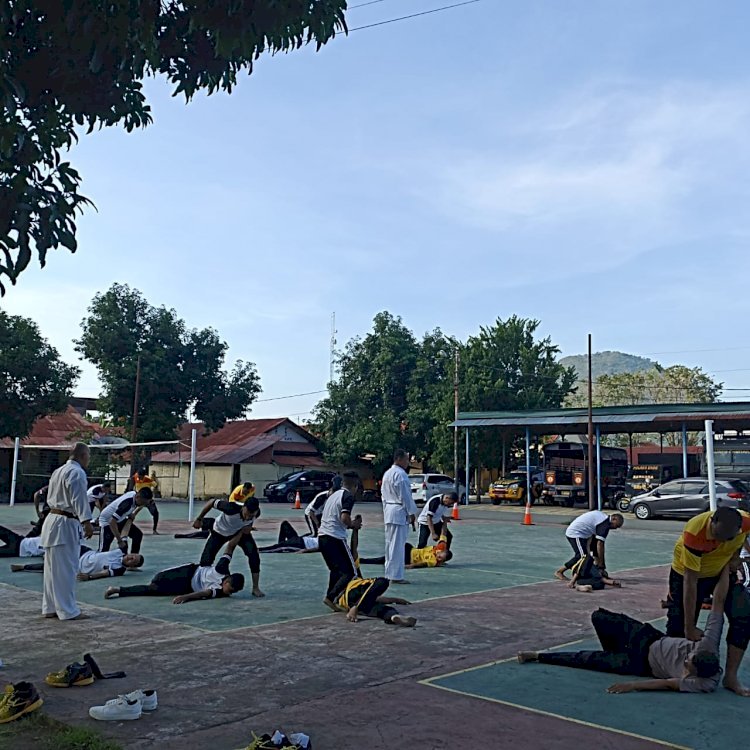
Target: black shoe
17	701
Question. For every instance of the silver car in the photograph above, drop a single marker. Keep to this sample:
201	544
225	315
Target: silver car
685	498
424	486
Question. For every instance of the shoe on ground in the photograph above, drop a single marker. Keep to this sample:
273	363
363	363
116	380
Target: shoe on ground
147	699
17	701
73	675
121	708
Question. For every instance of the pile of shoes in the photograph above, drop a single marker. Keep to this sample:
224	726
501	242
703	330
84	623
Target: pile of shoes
18	700
126	707
295	741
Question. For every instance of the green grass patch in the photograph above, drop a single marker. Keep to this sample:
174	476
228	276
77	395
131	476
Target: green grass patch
39	732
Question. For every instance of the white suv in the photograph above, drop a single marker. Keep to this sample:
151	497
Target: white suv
425	486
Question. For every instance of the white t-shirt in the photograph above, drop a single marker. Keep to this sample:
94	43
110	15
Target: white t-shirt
315	506
230	520
330	523
594	523
311	542
206	578
119	509
31	547
97	562
434	508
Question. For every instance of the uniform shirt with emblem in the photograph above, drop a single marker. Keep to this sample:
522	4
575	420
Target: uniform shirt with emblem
210	577
434	509
339	502
97	562
706	557
230	520
119	510
426	556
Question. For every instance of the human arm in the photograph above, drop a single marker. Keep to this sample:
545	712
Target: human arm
412	566
354	544
630	687
206	508
101	574
39	497
194	597
689	602
403	488
347	505
314	523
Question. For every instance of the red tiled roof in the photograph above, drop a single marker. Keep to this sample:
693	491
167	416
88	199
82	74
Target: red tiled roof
56	429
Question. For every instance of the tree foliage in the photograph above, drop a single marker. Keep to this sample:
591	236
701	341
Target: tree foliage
395	391
670	385
82	63
34	381
182	369
607	363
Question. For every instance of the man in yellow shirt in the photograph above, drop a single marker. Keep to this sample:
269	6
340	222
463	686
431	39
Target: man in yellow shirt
709	542
427	557
242	492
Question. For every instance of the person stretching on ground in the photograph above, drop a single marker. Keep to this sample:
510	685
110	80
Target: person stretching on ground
15	545
291	541
188	583
116	521
592	524
207	525
364	596
432	521
233	518
636	648
429	557
93	564
587	576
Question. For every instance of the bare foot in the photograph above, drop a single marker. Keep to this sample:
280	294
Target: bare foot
527	656
330	604
111	591
404	622
560	574
258	593
16	568
585	588
736	686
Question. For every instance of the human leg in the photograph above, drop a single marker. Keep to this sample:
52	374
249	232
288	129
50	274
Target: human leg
170	582
136	539
286	532
424	536
11	542
61	568
250	548
106	537
676	609
372	560
213	544
395	539
338	559
28	568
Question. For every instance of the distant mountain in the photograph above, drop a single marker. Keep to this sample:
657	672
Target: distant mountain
607	363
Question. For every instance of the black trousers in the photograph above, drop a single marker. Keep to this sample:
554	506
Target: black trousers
589	574
625	643
368	603
289	540
381	560
736	608
338	559
424	534
309	524
216	541
106	537
580	549
171	582
11	542
207	525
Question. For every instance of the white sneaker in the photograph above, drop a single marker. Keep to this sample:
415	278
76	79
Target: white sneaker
121	708
147	699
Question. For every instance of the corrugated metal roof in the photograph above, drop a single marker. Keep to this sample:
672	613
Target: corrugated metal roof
56	430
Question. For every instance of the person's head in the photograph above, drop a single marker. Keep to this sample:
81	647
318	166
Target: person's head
233	583
248	488
725	524
702	664
336	483
250	509
81	454
401	458
443	555
106	487
133	561
450	499
350	481
616	521
144	496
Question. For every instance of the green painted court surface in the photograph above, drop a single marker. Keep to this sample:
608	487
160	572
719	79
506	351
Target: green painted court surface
700	722
488	555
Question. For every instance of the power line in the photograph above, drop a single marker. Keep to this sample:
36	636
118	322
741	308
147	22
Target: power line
415	15
293	395
362	5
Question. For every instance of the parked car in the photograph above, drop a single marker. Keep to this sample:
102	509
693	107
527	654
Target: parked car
307	483
512	489
685	498
424	486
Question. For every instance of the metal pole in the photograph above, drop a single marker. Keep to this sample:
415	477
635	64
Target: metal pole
503	456
684	451
467	466
191	489
455	429
598	467
16	447
590	440
710	463
136	398
528	467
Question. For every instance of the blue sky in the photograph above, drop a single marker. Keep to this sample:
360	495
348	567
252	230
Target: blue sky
582	163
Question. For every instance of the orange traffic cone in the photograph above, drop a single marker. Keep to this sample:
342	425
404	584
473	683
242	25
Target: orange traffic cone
527	516
454	514
297	502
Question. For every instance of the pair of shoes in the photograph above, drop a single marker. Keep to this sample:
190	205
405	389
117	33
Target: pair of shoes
126	707
18	700
74	674
295	741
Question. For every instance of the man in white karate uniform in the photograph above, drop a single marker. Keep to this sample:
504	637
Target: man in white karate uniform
399	510
61	535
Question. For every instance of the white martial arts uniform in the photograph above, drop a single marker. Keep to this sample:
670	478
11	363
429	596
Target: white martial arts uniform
398	505
61	539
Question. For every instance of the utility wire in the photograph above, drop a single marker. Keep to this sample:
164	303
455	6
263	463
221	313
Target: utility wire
362	5
415	15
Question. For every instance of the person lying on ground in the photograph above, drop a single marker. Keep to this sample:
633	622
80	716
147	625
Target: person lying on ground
93	565
291	541
191	582
364	596
233	518
429	557
588	576
588	533
117	521
433	522
15	545
631	647
207	525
